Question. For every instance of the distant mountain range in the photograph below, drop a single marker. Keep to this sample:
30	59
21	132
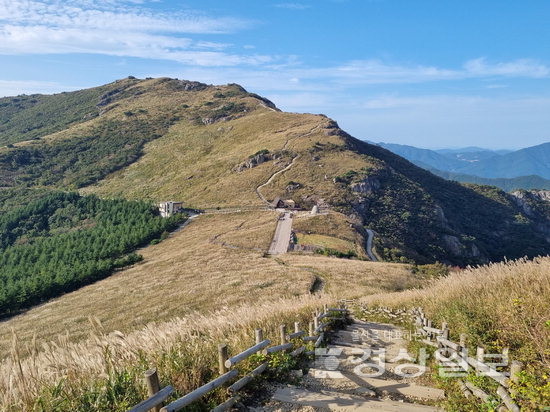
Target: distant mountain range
527	168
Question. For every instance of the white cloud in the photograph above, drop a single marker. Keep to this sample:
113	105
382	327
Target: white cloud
16	87
293	6
446	120
114	28
308	102
112	16
212	45
131	28
516	68
294	76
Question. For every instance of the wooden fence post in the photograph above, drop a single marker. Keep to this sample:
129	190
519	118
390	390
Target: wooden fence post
222	357
259	335
445	335
315	321
480	353
296	327
463	337
506	355
515	368
311	329
282	330
153	384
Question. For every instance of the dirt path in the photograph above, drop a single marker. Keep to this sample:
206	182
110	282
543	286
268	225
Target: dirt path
361	370
273	176
281	238
277	173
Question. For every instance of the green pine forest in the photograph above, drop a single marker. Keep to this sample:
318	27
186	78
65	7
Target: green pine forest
62	241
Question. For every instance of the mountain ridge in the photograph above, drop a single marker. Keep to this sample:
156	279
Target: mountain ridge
158	139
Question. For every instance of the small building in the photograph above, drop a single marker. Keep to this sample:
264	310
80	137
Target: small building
279	203
169	208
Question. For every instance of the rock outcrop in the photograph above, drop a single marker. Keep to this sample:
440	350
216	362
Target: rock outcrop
257	159
368	185
459	249
536	205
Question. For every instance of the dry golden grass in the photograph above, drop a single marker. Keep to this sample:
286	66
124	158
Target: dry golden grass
503	304
331	230
206	283
330	224
216	261
324	241
195	163
351	279
496	306
185	273
183	349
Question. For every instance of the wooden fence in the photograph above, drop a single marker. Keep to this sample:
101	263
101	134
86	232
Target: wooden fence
439	338
455	355
293	343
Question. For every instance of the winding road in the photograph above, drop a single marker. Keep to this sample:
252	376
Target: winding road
369	246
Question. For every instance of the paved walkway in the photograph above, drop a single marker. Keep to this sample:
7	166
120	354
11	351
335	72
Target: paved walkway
281	239
369	245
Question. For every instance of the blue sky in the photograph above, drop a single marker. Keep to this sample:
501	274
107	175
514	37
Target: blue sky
430	73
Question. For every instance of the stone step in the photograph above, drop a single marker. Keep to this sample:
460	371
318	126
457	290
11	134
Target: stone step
332	375
342	402
409	390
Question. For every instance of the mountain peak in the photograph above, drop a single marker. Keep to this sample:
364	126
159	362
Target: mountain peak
165	138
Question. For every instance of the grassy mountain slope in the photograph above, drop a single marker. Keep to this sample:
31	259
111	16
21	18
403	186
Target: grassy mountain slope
31	117
507	308
200	269
219	146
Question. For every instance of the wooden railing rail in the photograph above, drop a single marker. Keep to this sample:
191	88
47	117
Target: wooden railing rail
296	341
153	401
229	363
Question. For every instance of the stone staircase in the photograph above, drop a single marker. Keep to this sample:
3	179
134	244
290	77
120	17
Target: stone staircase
341	376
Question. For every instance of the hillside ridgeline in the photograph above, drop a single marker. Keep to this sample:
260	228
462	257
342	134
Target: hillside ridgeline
217	146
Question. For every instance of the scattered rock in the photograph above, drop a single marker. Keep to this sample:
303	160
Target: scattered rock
257	160
292	186
297	373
